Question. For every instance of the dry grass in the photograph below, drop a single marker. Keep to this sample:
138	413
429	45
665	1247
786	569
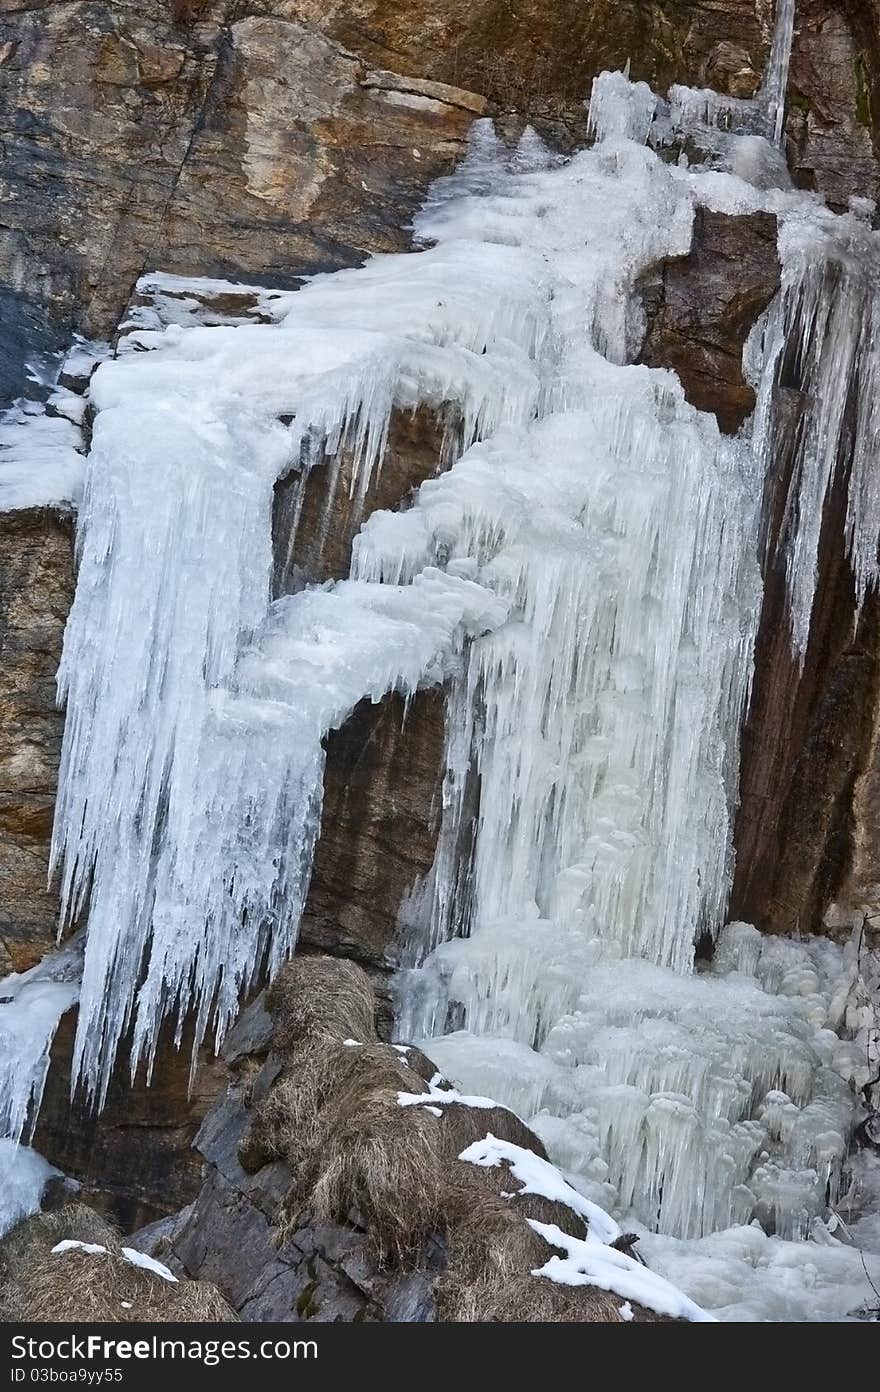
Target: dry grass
357	1156
42	1231
74	1287
37	1285
321	998
462	1126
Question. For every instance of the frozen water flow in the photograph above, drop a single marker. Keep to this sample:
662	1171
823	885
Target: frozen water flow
775	84
31	1006
23	1177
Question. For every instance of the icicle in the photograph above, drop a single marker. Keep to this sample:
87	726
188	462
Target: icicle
775	84
820	339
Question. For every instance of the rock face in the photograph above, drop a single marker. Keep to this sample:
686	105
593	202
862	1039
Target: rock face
36	590
233	143
806	832
134	1163
379	825
264	141
702	308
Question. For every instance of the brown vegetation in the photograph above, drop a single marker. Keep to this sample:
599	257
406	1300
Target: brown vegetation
38	1285
357	1156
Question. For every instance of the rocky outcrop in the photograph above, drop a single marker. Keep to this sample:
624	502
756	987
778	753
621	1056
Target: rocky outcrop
385	1246
237	143
702	308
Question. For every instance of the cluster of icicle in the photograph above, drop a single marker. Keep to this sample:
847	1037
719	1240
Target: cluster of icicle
599	511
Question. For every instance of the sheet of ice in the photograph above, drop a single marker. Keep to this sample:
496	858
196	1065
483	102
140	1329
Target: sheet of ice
820	338
41	459
23	1177
42	445
31	1006
775	84
183	685
742	1275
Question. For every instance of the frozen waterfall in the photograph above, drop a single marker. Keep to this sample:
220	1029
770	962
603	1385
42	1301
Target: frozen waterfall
585	577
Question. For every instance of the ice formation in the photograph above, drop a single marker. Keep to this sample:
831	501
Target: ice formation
688	1103
42	445
31	1006
585	575
23	1177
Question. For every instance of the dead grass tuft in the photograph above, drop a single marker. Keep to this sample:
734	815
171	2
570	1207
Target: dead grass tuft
38	1285
321	998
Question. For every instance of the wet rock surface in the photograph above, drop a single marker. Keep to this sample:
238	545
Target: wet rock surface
36	590
703	307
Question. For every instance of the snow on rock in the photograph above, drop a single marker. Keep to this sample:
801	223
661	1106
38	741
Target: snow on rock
147	1263
42	445
41	459
445	1096
589	1263
537	1176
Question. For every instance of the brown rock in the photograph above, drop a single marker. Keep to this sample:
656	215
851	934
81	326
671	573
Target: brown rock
379	824
135	1161
36	589
293	135
832	127
808	734
318	514
703	306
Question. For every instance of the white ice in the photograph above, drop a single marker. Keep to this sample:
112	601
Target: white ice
31	1006
23	1177
42	444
